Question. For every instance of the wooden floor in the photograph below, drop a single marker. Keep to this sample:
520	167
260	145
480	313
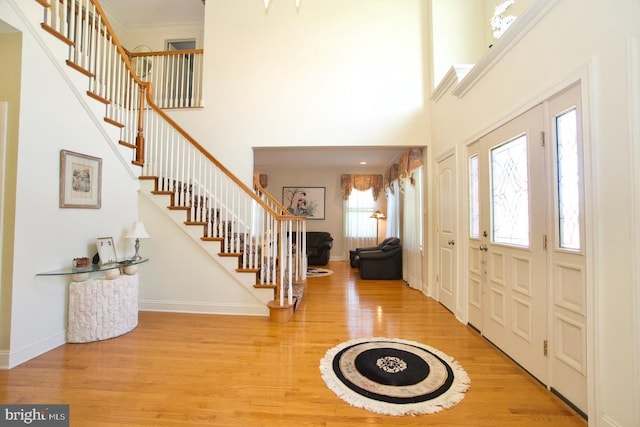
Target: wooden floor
197	370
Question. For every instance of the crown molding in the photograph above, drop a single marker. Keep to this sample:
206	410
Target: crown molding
453	77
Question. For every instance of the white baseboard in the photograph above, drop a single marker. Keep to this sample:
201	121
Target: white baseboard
206	308
11	359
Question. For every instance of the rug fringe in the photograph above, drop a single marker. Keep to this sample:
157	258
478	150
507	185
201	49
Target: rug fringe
453	396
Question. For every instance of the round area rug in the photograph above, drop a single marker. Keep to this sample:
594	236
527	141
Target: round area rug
318	272
394	376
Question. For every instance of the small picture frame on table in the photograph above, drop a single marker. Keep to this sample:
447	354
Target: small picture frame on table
106	250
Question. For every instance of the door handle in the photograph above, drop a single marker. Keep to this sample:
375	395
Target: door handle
483	247
452	242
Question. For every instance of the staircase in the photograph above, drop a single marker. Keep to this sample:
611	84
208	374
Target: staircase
245	230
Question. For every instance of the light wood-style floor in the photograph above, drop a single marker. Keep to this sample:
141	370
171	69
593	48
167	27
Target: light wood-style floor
197	370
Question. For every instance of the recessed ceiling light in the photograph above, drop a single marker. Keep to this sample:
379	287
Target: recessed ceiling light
363	163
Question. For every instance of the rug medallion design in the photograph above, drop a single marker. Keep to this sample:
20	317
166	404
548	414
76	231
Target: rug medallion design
394	376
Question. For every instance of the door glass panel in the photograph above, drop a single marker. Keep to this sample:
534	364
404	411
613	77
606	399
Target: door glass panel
568	181
474	199
510	193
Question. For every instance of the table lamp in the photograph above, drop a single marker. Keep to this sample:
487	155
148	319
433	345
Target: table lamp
137	232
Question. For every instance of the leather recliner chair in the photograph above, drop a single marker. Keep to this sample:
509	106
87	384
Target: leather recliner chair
381	264
354	254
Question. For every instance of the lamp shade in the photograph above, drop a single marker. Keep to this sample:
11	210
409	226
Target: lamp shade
137	231
378	215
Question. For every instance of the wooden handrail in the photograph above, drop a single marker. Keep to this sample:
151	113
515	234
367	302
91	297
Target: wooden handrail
165	52
261	190
215	161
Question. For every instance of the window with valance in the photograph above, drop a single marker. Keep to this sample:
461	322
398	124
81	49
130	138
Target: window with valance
361	183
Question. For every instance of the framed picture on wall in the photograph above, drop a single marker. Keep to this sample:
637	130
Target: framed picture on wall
304	201
80	180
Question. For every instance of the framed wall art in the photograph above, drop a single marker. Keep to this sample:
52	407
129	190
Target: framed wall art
80	180
304	201
106	250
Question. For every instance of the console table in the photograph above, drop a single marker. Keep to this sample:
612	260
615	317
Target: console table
101	307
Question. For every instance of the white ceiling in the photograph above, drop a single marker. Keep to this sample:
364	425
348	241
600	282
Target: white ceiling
324	157
155	12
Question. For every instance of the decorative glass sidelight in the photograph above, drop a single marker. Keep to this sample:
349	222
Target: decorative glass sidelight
568	180
474	198
510	193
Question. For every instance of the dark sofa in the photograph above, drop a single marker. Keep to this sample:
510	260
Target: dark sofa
354	254
382	262
319	244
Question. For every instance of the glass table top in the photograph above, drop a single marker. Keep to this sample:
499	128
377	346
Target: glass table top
93	268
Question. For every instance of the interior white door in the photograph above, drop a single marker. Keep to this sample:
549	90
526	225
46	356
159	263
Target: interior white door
512	226
446	224
567	254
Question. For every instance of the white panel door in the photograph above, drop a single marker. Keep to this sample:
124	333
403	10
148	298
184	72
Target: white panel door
567	254
510	252
446	219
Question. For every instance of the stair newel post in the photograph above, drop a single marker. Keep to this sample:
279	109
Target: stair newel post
279	311
140	134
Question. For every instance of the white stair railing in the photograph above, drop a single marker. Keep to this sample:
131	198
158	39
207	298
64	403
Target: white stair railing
175	76
95	51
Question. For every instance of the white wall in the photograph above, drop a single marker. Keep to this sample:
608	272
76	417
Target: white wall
155	37
587	40
336	73
462	32
458	31
46	236
152	35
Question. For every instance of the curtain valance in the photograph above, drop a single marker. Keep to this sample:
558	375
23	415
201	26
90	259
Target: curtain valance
361	183
410	160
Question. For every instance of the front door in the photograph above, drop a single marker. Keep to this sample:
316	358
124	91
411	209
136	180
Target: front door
527	235
508	291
